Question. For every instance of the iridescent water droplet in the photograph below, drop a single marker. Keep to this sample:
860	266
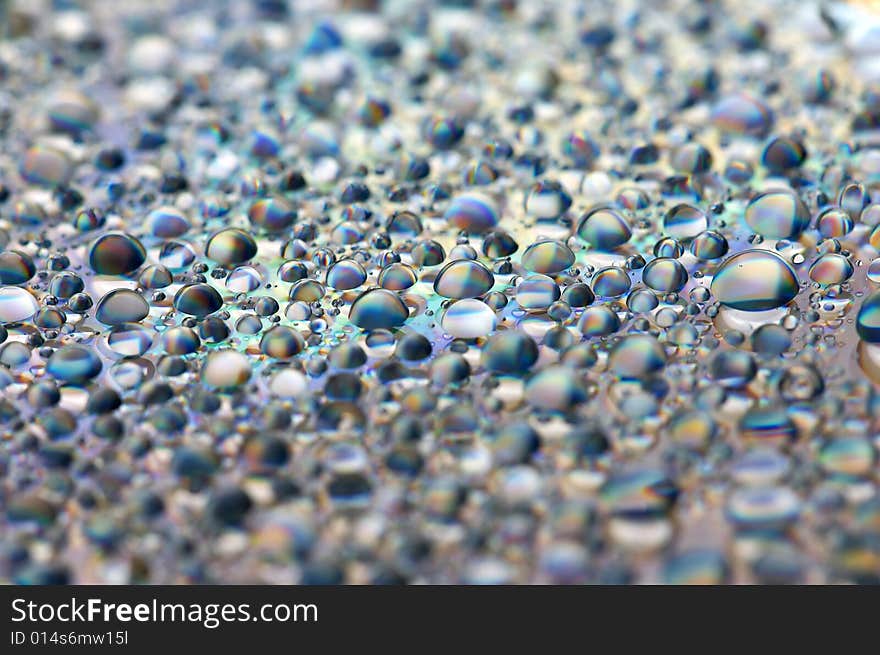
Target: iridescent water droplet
463	279
665	274
547	256
474	213
777	215
868	319
231	246
198	300
116	253
754	280
685	222
603	228
378	309
468	319
121	306
16	305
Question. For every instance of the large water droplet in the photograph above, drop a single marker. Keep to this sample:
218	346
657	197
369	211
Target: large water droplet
777	215
463	279
754	280
378	309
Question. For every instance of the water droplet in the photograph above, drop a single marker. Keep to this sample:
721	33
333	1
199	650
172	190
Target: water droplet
378	309
684	222
346	274
468	319
16	305
665	274
197	300
231	246
547	257
742	114
868	319
474	213
603	228
121	306
537	293
754	280
226	370
610	282
636	356
116	253
282	342
777	215
463	279
74	364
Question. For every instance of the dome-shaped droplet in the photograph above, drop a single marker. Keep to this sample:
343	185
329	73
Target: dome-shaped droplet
547	199
637	356
691	158
598	321
16	267
641	493
463	278
868	319
177	255
834	223
831	268
603	228
783	153
129	339
580	148
537	293
754	281
74	364
510	351
732	369
853	198
684	222
763	508
665	274
555	388
231	246
498	244
180	340
307	291
777	215
16	305
155	277
548	256
121	306
243	279
449	368
282	342
610	282
46	166
397	277
468	319
768	424
473	213
226	370
346	274
272	214
116	253
198	300
167	223
742	114
709	245
71	111
642	300
378	309
578	295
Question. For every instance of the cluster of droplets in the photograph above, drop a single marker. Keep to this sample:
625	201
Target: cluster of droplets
432	294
